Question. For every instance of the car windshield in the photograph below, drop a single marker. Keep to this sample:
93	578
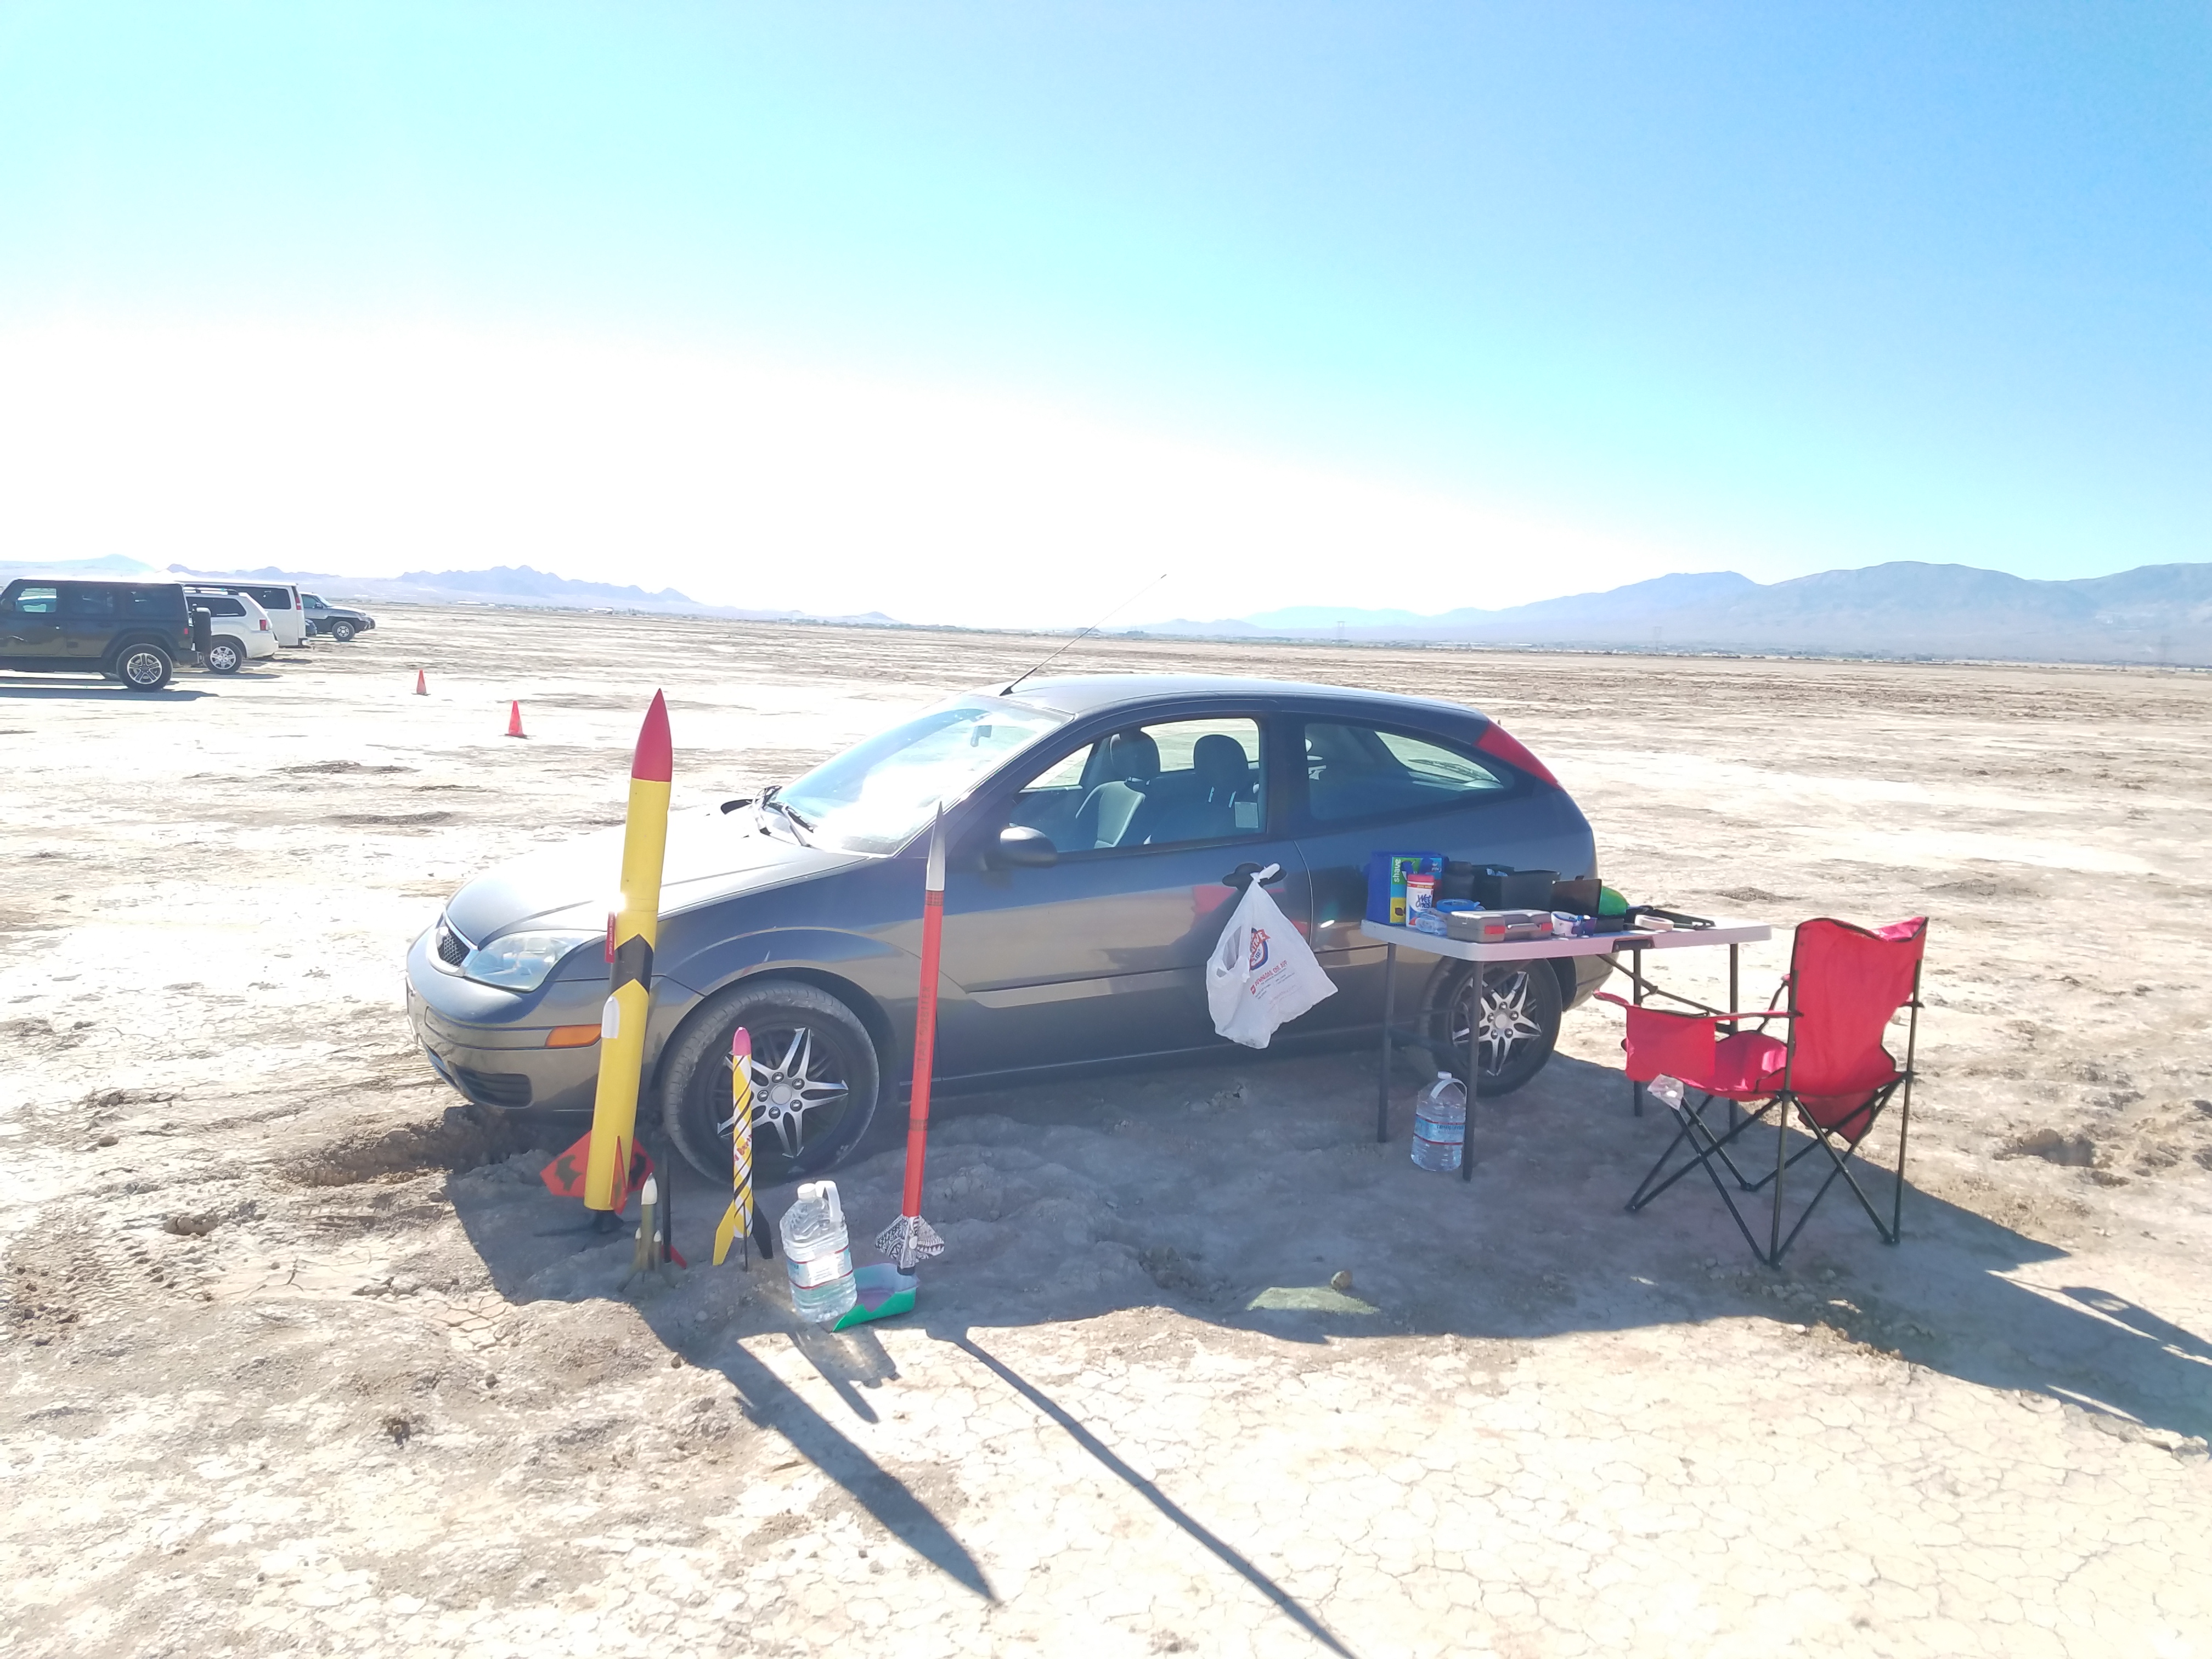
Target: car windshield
875	796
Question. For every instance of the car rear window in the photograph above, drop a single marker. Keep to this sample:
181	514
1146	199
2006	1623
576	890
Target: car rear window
1363	772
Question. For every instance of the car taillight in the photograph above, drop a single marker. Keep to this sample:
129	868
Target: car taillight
1497	740
265	624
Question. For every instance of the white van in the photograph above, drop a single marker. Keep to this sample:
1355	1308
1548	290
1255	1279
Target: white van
239	629
288	616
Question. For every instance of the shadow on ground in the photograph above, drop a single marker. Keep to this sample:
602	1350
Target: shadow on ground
1202	1189
33	692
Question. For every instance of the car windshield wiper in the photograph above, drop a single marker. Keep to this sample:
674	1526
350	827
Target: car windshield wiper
792	816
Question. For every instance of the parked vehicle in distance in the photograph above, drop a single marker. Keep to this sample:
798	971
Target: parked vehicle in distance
132	631
1100	831
237	629
340	622
287	613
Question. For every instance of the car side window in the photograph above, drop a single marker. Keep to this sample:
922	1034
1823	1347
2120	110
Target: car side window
34	601
151	602
1356	771
1168	783
87	602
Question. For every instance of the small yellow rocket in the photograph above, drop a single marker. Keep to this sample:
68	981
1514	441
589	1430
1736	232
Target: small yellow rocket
738	1220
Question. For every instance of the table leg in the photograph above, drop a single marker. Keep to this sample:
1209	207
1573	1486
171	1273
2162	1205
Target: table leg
1636	990
1390	1012
1474	1075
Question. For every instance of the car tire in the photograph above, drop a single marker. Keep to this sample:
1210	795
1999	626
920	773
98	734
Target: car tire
225	657
1521	1008
803	1038
143	667
341	631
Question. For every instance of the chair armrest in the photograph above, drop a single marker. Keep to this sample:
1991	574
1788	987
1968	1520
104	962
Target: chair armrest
1646	1008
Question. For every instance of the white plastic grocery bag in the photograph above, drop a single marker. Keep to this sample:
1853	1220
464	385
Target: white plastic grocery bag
1262	973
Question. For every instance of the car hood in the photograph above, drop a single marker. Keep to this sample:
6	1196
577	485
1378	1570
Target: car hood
711	856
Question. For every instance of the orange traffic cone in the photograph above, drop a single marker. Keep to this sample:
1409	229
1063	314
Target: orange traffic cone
421	689
514	720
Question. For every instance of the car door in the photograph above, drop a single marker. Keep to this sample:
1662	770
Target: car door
1103	953
31	624
88	614
1365	785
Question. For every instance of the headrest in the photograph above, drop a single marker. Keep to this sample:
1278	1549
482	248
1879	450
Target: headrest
1219	760
1131	754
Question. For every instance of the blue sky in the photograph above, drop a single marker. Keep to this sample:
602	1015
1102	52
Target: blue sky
792	303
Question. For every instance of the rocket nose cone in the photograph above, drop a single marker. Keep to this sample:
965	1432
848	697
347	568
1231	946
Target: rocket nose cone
655	762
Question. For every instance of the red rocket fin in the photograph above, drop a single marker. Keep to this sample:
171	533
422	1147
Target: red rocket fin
564	1176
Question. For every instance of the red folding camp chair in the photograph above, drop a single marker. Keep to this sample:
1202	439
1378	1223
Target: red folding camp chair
1831	1073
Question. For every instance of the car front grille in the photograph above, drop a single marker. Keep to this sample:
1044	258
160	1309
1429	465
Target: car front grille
506	1088
452	950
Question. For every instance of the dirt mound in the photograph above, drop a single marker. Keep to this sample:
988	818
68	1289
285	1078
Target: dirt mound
2053	1146
463	1138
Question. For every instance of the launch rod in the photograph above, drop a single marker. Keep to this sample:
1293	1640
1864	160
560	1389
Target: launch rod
925	1019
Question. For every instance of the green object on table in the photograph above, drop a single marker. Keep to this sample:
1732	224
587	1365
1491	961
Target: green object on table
1611	903
882	1293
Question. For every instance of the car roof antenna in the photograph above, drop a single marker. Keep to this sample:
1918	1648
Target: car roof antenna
1009	690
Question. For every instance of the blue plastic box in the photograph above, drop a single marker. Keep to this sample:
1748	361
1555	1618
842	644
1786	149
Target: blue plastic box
1385	882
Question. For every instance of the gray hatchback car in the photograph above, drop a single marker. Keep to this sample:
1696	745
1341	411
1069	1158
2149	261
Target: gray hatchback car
1099	829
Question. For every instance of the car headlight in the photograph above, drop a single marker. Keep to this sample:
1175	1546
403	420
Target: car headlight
522	962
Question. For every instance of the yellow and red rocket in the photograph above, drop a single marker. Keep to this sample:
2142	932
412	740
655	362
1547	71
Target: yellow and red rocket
612	1166
631	932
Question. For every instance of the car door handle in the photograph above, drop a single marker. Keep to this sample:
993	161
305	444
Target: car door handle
1241	877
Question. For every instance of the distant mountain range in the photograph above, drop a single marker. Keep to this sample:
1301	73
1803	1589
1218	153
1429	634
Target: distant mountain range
505	584
2159	613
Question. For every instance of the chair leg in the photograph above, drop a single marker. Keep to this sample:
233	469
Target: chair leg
1646	1189
1705	1146
1825	1140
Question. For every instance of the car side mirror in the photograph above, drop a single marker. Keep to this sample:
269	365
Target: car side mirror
1020	848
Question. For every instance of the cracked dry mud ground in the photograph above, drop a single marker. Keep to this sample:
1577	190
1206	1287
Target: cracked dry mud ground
301	1358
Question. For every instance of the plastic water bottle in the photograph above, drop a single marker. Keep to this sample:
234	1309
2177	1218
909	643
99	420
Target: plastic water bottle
1439	1123
817	1254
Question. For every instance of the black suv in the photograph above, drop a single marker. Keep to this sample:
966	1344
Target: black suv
129	631
340	622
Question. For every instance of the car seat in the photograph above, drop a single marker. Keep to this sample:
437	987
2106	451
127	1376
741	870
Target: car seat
1122	772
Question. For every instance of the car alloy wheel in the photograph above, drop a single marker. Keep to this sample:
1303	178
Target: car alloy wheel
144	669
224	659
341	631
815	1079
791	1077
1516	1023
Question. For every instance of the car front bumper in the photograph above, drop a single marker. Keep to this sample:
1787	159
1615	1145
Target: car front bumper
489	1044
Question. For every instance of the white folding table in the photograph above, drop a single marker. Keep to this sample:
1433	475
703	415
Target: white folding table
1733	934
